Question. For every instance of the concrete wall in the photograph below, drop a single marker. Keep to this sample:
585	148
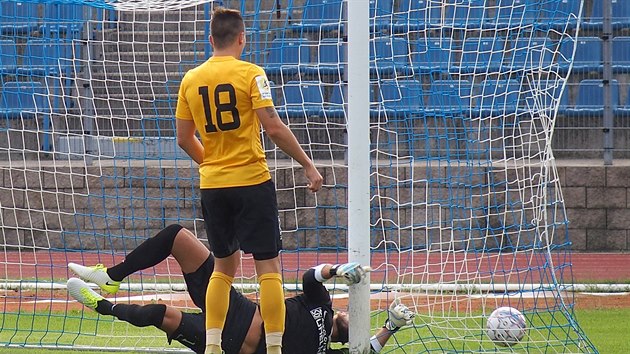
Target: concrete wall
119	204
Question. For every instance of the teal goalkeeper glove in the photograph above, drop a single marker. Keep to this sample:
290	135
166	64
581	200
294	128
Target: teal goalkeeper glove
398	315
351	273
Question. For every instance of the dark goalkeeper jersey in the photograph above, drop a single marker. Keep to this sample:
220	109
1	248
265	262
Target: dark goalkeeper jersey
309	319
308	323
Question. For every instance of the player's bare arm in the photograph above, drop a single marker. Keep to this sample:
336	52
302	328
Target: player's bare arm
187	140
282	136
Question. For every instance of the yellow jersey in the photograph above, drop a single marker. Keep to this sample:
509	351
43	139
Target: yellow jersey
220	96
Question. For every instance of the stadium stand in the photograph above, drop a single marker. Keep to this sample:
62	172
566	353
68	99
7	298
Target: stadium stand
542	94
380	14
465	14
49	57
482	54
415	15
23	99
590	98
448	97
392	54
50	45
624	109
329	58
621	54
303	98
286	55
588	55
401	97
496	97
319	15
18	18
528	53
512	13
554	14
64	18
432	55
8	57
620	15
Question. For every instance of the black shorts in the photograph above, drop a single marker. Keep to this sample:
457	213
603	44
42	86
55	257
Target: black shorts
244	218
191	332
197	282
192	329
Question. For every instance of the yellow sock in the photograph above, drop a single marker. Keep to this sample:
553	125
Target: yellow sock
217	301
272	309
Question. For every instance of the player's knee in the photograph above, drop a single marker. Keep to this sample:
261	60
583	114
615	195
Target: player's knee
172	230
171	321
165	239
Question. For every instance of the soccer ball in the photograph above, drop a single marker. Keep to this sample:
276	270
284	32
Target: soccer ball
506	326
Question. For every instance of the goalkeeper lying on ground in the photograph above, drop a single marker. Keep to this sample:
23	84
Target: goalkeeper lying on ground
311	323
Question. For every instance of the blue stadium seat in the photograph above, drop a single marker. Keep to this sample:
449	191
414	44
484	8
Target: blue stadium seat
23	99
335	107
389	55
337	95
303	98
624	110
64	18
330	57
621	54
531	53
449	97
620	15
415	15
401	97
559	14
543	95
513	13
465	13
320	15
50	57
564	102
18	17
286	55
381	12
381	8
8	57
482	54
433	55
590	98
497	97
588	54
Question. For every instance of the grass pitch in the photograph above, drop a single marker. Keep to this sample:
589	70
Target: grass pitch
607	328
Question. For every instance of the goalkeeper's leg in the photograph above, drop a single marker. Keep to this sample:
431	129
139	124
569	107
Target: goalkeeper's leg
189	252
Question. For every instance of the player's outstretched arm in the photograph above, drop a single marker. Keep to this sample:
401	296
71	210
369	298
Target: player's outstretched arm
283	137
312	280
398	315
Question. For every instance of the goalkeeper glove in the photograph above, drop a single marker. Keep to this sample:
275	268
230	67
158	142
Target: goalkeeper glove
398	315
352	273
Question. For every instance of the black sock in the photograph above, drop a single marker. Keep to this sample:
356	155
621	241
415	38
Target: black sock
104	307
140	316
148	254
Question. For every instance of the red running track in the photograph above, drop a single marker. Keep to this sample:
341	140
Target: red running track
411	267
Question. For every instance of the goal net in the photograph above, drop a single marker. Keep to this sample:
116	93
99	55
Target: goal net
467	212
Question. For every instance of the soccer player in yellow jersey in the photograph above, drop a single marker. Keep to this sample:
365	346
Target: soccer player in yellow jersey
227	100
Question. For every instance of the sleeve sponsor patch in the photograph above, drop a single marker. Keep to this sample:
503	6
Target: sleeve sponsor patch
263	87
